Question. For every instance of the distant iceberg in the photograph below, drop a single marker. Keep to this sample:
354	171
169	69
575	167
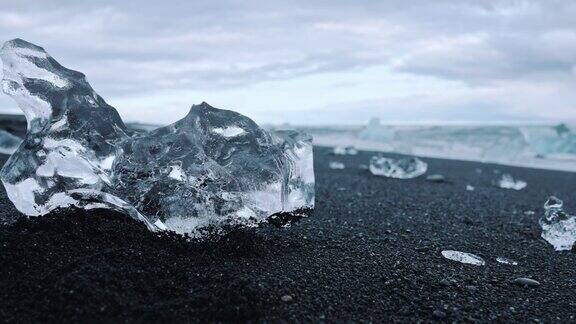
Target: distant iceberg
543	141
375	131
549	147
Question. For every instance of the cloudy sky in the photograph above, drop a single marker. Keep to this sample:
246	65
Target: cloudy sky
315	62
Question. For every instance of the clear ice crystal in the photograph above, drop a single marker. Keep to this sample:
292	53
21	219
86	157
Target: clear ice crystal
463	257
336	165
558	227
210	170
8	142
508	182
405	168
505	260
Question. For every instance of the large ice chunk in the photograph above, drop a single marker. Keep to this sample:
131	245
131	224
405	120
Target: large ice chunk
404	168
558	228
8	142
214	168
211	170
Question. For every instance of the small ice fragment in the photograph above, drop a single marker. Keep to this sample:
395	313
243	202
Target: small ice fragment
436	178
8	142
345	150
336	165
504	260
463	257
508	182
470	188
405	168
351	150
558	227
529	212
363	167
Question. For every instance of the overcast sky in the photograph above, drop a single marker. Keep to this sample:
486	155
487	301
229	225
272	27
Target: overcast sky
315	62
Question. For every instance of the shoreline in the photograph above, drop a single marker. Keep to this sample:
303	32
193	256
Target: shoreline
566	165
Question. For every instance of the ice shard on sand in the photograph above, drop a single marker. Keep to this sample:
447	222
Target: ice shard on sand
463	257
558	227
213	169
403	168
508	182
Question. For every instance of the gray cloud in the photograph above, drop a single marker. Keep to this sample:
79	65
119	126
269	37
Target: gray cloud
133	47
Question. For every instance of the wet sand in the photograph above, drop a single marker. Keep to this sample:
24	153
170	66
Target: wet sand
370	252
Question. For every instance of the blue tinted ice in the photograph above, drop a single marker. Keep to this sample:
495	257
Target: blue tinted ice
210	170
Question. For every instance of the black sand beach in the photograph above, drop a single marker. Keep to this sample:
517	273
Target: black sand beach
371	252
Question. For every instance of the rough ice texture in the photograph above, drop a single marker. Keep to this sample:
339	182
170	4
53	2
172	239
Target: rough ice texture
463	257
508	182
405	168
8	142
214	169
558	227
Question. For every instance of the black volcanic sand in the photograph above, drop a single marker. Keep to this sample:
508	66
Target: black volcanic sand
371	252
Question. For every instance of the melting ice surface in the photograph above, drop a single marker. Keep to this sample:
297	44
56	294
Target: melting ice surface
8	142
404	168
558	228
463	257
508	182
210	170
